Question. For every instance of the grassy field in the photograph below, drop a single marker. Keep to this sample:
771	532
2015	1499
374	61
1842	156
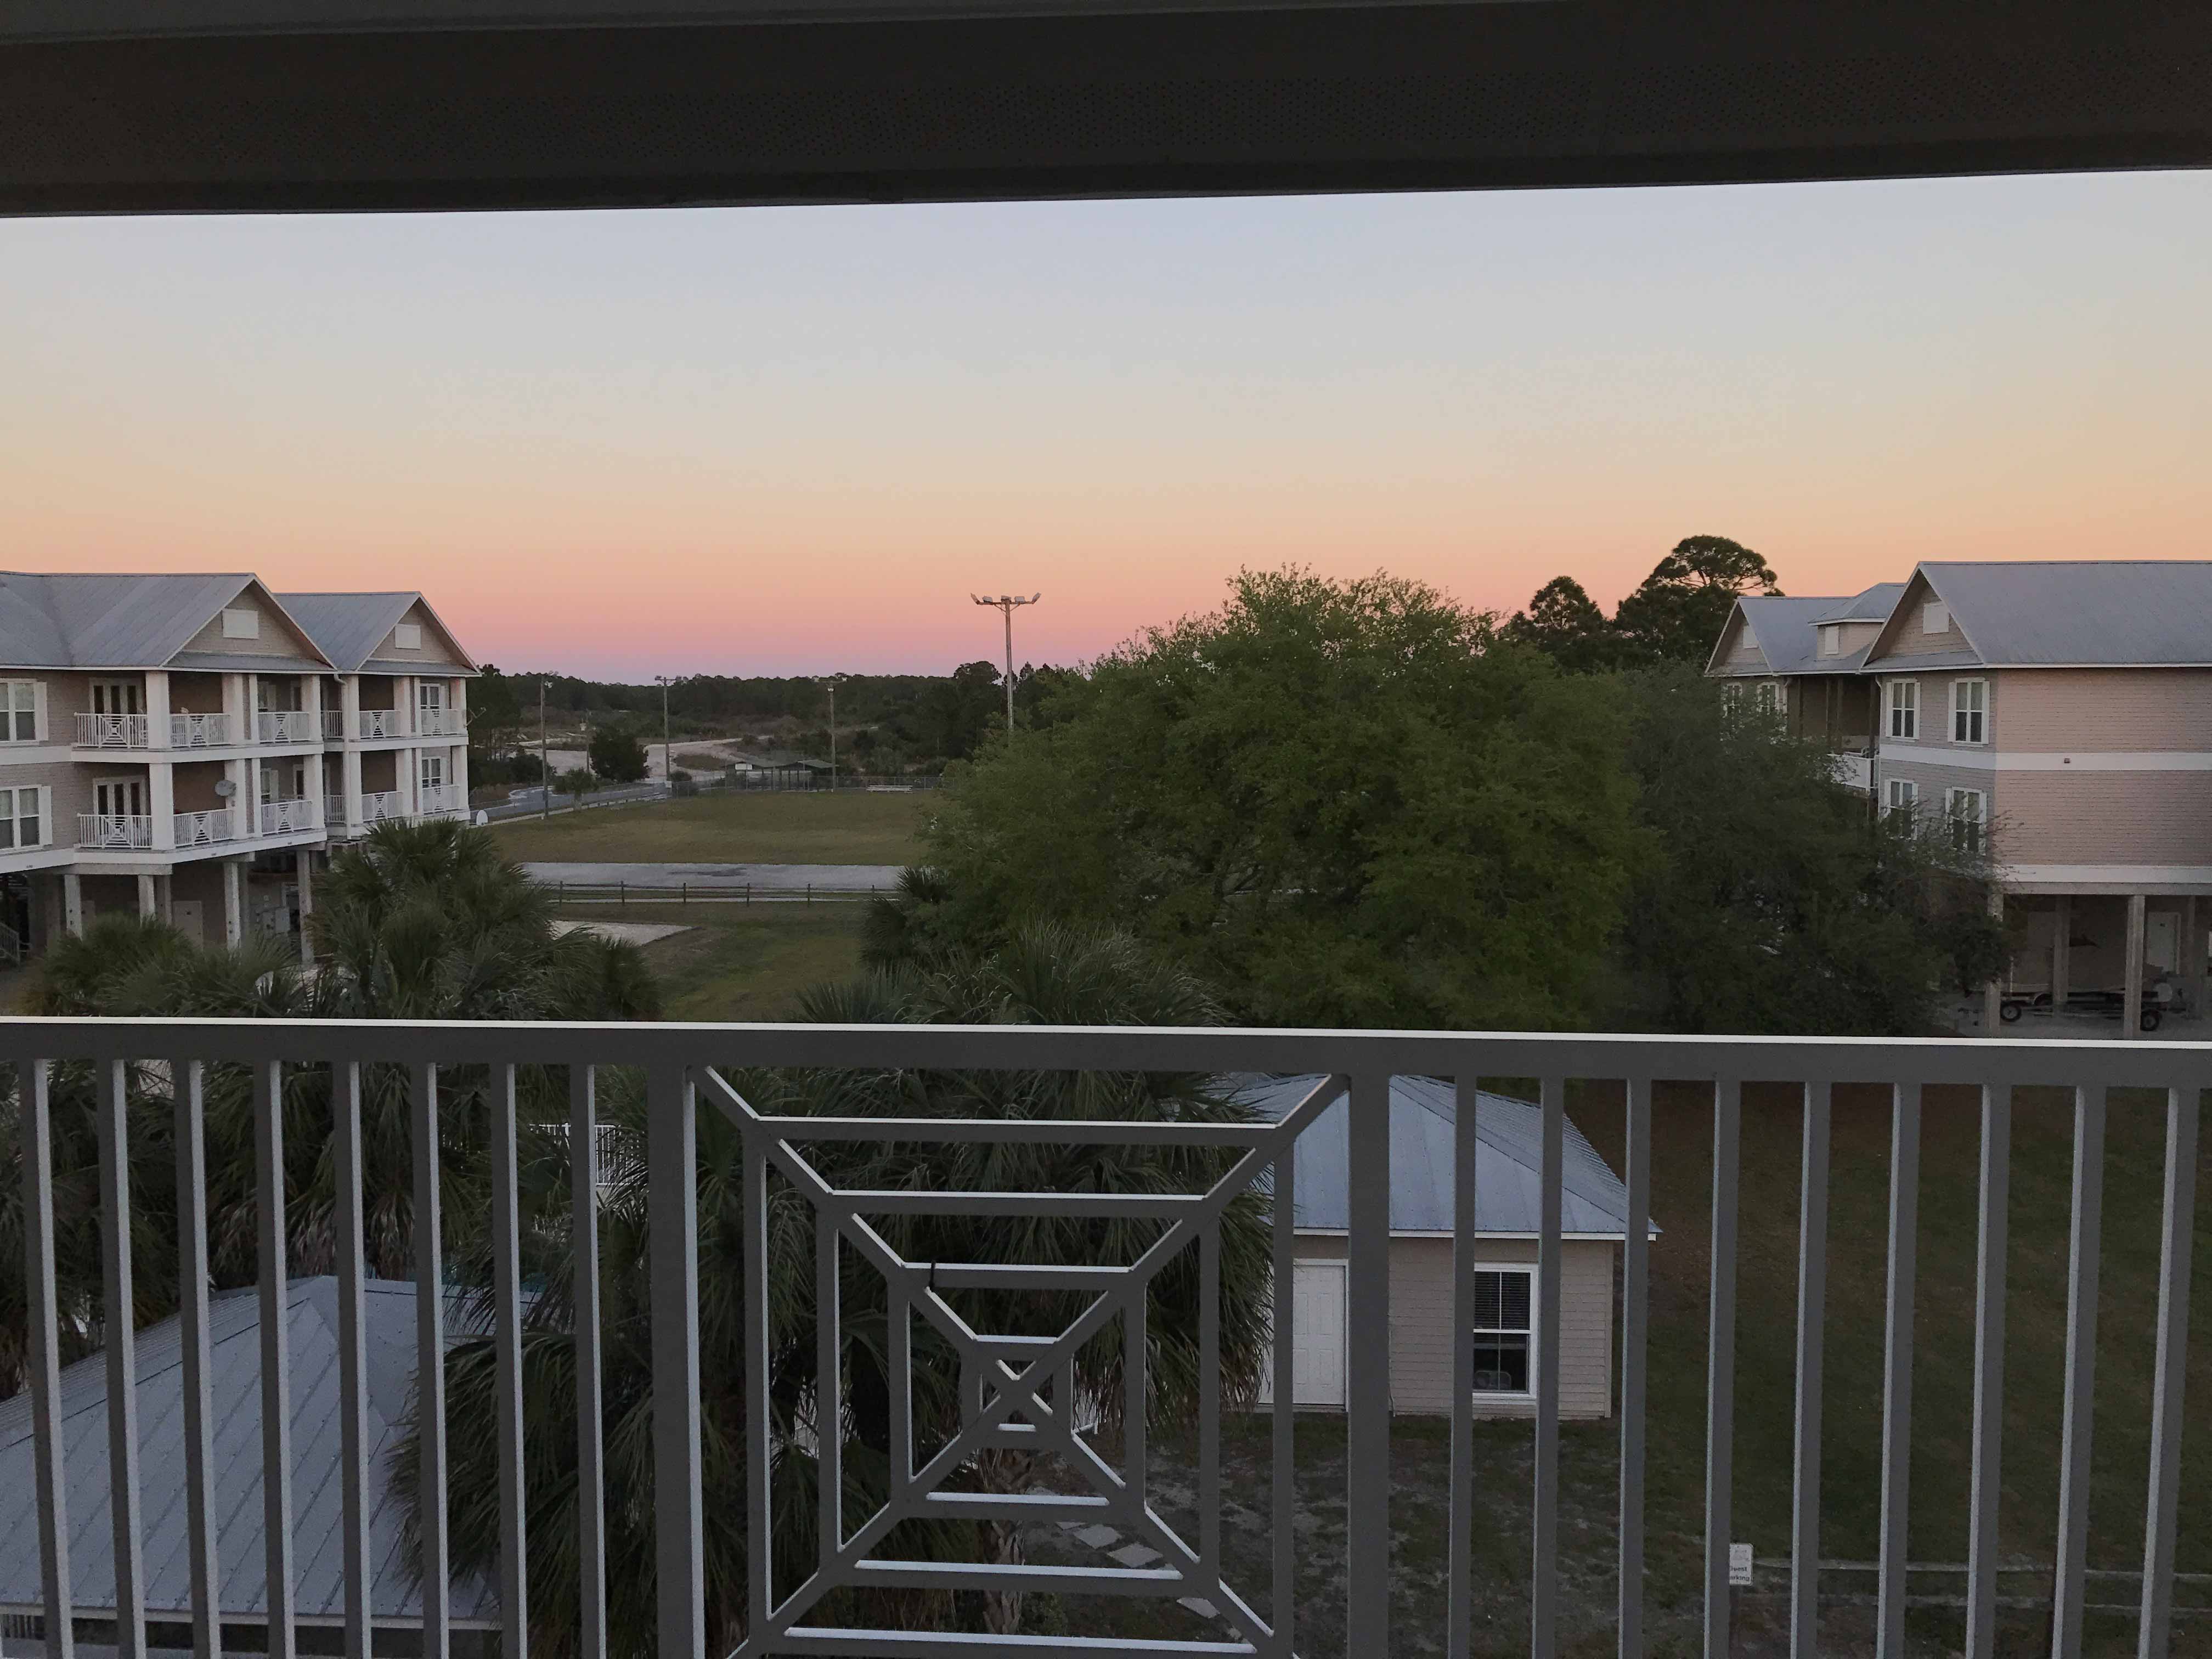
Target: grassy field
1765	1334
741	961
794	827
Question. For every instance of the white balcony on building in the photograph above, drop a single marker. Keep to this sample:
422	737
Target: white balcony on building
205	829
288	726
117	831
289	817
440	723
375	723
137	731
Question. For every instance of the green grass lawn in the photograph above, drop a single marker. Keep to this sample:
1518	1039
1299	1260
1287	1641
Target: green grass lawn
794	827
741	961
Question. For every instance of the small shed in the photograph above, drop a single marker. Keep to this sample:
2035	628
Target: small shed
1508	1160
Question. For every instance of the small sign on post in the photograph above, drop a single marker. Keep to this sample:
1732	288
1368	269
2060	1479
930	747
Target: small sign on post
1739	1566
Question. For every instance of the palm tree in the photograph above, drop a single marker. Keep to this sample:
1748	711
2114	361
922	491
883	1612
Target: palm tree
418	922
1044	975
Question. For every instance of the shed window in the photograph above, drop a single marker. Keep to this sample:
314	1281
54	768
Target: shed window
1504	1301
1970	701
239	624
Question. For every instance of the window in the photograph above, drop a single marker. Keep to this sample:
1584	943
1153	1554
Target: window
408	637
1903	795
283	780
1504	1327
1905	708
241	624
117	697
119	798
1732	693
19	711
22	821
1770	698
432	697
433	771
1970	711
1934	618
1829	637
1966	814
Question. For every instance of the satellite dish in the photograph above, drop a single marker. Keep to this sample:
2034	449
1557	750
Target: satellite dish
224	789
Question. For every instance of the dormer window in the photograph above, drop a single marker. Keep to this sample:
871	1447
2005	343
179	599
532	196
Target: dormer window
1830	639
408	637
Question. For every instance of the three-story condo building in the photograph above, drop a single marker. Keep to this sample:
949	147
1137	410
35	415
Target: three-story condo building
2060	712
188	746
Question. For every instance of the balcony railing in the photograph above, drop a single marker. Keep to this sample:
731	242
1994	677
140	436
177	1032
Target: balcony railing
1016	1386
287	726
381	723
288	817
333	725
435	798
380	807
206	827
114	829
439	723
186	731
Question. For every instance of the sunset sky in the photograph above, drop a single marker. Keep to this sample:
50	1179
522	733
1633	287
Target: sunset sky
794	440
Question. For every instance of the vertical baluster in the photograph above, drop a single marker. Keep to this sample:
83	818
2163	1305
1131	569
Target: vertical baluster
353	1358
1209	1406
829	1393
121	1342
2176	1237
506	1299
1544	1573
272	1245
759	1447
1283	1428
188	1087
1460	1563
430	1361
591	1471
1812	1325
1635	1313
1367	1381
2081	1370
1986	1490
1720	1364
899	1310
1897	1369
34	1080
672	1202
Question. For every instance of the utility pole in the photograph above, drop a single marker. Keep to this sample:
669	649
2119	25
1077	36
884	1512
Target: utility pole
545	772
830	680
667	753
1005	604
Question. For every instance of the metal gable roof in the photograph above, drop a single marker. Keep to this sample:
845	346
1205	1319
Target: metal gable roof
106	621
1783	629
234	1386
2081	613
1874	604
1509	1134
350	627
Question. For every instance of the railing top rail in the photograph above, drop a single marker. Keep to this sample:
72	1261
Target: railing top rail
2143	1062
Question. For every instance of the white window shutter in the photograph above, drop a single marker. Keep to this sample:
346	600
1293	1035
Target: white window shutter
46	797
39	705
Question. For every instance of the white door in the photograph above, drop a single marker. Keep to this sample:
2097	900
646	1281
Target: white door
119	798
1317	1334
187	916
2163	941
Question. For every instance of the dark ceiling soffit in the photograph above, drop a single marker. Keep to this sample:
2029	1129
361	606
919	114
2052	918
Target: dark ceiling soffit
1238	100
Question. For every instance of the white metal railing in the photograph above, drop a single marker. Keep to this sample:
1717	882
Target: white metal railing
1016	1385
382	723
334	813
114	829
380	807
1855	771
111	731
197	730
438	723
435	798
333	724
284	818
204	829
287	726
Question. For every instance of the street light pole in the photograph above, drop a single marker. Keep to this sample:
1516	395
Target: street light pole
544	771
830	680
1004	603
667	753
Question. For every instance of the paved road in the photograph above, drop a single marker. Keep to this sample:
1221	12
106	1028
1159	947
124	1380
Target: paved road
783	877
534	803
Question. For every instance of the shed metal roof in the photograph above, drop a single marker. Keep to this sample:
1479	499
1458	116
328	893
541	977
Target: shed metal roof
1508	1162
235	1389
2081	613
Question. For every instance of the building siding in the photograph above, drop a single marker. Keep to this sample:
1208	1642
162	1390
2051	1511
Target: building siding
1421	1323
2107	710
2107	817
1906	636
278	637
433	653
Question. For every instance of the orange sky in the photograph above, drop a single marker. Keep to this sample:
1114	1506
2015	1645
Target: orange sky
784	442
